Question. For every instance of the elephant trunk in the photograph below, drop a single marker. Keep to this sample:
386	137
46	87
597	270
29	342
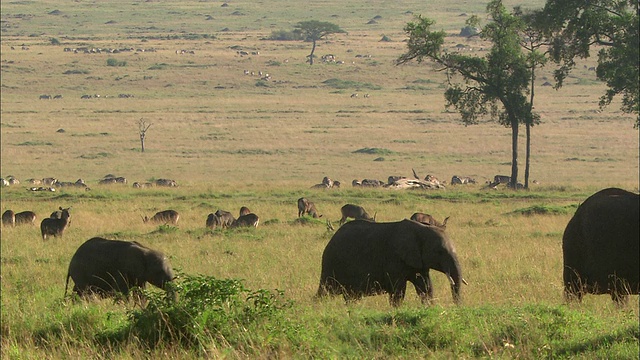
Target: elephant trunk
455	277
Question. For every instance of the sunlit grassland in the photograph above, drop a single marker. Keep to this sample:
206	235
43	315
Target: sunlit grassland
512	263
231	140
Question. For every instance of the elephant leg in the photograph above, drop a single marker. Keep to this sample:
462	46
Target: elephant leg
573	289
621	299
424	287
397	295
619	290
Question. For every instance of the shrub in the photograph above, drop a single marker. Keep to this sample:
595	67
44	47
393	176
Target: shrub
115	62
76	72
198	308
284	35
374	151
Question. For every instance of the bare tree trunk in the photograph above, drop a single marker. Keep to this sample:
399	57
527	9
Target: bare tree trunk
143	127
514	152
528	156
313	49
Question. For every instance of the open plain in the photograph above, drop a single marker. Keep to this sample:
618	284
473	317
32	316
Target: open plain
230	136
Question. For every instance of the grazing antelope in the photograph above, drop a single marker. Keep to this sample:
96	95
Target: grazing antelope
26	217
50	181
246	221
166	182
212	221
356	212
9	218
244	211
225	219
55	227
429	220
462	180
166	217
307	207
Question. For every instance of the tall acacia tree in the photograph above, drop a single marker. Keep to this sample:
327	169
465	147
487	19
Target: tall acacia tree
496	84
532	40
313	30
577	25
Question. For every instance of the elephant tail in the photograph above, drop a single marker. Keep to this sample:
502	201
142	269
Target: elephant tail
66	286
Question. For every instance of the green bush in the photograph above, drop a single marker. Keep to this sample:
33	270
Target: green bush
115	62
284	35
199	308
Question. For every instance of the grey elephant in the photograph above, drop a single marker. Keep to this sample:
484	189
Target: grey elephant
600	246
104	267
365	258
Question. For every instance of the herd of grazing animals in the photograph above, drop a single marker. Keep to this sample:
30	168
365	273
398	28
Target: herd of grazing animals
600	251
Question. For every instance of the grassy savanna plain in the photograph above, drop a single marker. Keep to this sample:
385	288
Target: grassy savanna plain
230	139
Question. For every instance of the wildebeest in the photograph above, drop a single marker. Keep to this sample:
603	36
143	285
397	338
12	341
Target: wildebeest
429	220
110	179
501	179
165	216
26	217
307	207
139	185
457	180
166	182
50	181
244	211
246	221
8	218
432	179
371	183
356	212
55	226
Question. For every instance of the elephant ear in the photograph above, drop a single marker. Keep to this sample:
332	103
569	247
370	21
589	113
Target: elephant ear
406	245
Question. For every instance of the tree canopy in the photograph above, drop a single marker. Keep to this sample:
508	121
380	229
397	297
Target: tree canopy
612	25
314	30
495	85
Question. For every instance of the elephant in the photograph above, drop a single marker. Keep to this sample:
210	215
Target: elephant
106	267
365	258
600	247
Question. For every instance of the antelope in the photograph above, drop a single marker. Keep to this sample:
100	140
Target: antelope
166	216
212	221
307	207
246	220
26	217
166	182
244	211
225	219
9	218
355	212
429	220
55	227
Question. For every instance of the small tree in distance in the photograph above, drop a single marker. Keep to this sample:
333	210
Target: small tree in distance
313	30
142	128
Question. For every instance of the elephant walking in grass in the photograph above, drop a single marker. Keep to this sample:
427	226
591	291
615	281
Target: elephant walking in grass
600	246
105	267
365	258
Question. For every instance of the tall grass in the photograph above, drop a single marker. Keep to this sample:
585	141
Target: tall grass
512	307
248	293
